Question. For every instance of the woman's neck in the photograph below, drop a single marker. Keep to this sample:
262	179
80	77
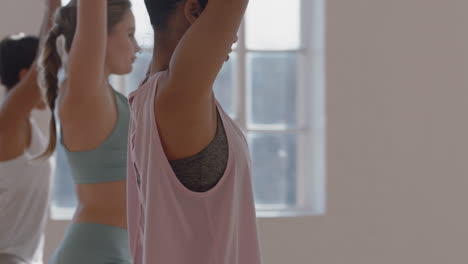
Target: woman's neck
164	46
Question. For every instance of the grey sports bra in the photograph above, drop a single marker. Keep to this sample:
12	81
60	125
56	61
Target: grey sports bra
203	171
108	162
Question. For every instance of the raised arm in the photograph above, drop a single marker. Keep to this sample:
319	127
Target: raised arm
22	99
184	108
87	54
203	49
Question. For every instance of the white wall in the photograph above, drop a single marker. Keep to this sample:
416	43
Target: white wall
397	148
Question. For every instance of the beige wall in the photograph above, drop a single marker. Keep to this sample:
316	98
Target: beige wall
397	147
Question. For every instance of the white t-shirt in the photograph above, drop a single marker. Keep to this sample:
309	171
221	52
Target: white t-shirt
25	188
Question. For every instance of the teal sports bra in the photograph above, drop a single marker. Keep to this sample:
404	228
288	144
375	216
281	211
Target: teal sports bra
108	162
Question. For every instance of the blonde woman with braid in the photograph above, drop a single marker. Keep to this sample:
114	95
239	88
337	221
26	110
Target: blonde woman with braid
99	40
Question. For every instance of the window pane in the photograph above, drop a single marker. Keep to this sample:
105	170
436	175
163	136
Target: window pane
144	30
225	85
274	168
273	25
140	68
272	89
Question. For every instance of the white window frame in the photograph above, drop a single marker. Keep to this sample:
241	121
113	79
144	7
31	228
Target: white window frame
311	183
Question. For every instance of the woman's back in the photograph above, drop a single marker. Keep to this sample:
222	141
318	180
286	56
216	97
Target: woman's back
100	173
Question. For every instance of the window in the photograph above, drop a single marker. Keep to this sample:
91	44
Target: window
273	87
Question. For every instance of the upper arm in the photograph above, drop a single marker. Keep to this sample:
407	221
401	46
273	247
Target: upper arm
20	101
86	92
185	107
88	50
203	49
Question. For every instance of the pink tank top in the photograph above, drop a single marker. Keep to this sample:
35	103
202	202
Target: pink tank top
168	223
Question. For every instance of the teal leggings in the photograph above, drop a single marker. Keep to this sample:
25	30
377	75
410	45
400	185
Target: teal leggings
93	244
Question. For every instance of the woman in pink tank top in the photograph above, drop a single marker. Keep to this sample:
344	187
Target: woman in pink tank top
190	197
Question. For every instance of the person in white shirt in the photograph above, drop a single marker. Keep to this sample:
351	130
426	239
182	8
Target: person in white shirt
25	182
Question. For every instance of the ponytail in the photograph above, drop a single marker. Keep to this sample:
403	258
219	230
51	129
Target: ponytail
50	63
54	54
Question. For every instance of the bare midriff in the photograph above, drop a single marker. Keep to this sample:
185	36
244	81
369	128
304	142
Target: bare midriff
102	203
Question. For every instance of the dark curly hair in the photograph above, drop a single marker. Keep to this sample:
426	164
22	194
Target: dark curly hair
160	10
17	52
